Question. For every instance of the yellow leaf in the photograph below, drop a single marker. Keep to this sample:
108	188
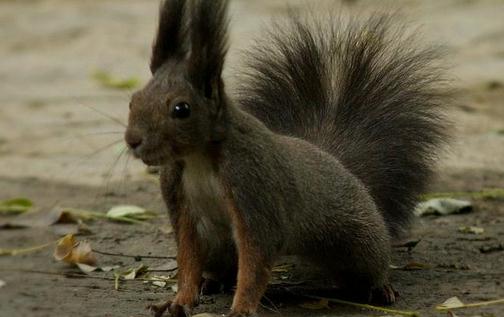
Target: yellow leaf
71	251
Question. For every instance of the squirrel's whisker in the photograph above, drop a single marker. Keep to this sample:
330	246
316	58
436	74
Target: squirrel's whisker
101	133
103	148
104	114
125	171
110	172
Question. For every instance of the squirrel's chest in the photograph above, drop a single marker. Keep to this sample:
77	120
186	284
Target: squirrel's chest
204	196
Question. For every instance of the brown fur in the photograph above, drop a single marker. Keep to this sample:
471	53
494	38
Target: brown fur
254	269
189	261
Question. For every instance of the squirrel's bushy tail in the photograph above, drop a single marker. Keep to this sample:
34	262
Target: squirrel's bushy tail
361	91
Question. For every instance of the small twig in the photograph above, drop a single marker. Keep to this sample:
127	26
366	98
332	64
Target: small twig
167	270
135	256
64	274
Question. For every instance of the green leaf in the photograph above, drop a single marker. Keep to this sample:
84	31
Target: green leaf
109	81
15	206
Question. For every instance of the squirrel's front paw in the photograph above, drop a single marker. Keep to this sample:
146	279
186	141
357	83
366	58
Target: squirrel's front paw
385	295
159	309
175	310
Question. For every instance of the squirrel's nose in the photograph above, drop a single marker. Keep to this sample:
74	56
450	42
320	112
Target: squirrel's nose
133	139
134	144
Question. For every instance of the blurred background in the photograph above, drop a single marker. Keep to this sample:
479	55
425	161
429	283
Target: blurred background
59	58
68	68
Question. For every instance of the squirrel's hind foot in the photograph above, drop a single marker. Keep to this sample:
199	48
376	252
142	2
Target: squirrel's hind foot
385	295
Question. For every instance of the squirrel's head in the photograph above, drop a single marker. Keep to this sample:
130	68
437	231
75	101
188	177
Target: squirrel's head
181	109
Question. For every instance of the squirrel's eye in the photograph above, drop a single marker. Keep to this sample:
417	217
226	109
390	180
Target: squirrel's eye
181	110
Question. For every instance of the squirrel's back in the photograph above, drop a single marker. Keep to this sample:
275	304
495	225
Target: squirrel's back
360	91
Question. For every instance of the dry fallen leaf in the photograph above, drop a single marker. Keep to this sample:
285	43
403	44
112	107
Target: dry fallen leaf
160	280
129	274
159	283
283	268
129	213
471	229
124	211
452	302
71	251
443	207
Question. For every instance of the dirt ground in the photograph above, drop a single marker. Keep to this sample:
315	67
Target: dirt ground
55	151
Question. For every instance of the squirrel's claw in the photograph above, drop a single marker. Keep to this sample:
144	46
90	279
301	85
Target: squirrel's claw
159	309
179	310
175	310
385	295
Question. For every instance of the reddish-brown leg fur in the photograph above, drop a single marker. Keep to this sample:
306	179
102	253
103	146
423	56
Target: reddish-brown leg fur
254	268
189	270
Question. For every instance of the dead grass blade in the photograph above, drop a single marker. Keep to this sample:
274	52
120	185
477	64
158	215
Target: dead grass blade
455	303
366	306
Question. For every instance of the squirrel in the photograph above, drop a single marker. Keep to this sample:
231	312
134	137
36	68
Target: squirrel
322	153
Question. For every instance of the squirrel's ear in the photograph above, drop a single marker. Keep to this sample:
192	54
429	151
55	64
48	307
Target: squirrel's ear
171	33
209	24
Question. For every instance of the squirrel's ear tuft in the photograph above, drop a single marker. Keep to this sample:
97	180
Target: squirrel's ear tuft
171	33
209	23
